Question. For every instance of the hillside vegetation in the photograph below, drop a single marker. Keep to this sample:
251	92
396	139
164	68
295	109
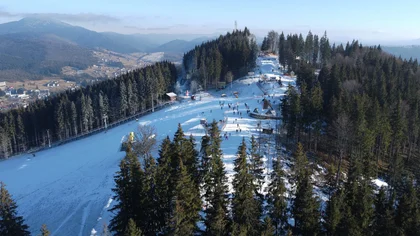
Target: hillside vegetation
212	61
36	56
75	112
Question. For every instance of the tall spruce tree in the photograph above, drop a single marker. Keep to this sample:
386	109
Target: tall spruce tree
128	188
215	188
357	213
333	212
300	167
10	222
245	205
186	205
384	217
282	50
408	214
148	210
305	209
256	164
164	185
204	157
276	199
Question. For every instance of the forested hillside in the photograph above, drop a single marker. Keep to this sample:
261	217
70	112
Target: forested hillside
360	117
212	61
31	56
76	112
369	94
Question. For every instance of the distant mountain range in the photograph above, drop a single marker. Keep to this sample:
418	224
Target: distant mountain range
406	52
36	46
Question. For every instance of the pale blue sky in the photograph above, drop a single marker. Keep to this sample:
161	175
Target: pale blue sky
365	20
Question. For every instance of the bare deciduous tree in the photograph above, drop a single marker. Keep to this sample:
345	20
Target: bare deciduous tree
193	86
341	133
146	142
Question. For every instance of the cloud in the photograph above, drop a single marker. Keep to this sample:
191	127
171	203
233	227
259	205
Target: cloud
81	17
77	18
7	14
161	28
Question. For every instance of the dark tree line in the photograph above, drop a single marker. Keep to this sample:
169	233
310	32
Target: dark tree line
72	113
294	49
363	102
211	62
360	114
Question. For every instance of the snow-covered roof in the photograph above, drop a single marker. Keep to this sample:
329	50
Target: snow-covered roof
171	94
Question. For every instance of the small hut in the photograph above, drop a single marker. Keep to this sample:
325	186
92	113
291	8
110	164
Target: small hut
172	96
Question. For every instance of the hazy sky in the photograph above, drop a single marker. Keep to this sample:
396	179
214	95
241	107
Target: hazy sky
366	20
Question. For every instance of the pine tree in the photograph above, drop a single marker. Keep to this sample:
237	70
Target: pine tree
128	188
122	103
256	164
282	50
357	213
384	219
10	222
305	209
407	218
178	153
245	206
333	212
73	118
276	199
20	133
191	161
264	45
164	184
301	163
204	158
215	189
315	54
325	49
147	211
132	229
187	205
44	231
309	47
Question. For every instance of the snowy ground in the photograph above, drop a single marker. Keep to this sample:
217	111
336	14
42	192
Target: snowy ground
69	187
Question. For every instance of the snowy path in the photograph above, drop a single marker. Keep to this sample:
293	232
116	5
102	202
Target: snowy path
69	187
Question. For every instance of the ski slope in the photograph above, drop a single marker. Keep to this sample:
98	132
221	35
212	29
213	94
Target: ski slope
69	187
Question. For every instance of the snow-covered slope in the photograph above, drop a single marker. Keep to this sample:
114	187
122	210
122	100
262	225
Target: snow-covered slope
69	187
